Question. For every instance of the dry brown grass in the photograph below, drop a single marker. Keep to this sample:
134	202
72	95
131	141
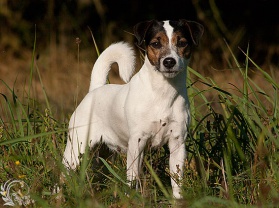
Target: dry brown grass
66	71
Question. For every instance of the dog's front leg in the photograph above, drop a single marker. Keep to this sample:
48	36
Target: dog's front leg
176	162
134	158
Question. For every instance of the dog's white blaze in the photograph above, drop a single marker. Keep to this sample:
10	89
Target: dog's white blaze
169	30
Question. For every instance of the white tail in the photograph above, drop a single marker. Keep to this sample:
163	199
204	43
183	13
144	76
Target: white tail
120	53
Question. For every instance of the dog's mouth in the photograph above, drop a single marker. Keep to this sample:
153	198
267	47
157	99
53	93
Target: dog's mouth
170	73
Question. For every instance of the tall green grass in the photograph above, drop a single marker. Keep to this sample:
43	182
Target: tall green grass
232	155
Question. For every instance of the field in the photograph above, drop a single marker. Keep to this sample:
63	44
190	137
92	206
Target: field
232	142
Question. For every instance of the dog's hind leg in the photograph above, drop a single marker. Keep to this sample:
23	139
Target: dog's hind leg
74	149
78	141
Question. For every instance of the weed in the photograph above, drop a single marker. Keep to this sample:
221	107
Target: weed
232	151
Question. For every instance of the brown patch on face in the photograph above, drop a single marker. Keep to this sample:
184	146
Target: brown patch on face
181	44
158	47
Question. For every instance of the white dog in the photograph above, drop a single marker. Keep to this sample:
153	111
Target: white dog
152	107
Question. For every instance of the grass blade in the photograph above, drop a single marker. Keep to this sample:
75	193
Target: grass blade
157	179
112	171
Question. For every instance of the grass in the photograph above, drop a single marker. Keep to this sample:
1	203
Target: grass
232	152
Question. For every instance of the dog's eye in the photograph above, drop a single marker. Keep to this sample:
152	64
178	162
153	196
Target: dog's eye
156	44
182	44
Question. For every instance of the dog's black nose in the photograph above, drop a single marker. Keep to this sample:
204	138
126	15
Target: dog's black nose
169	62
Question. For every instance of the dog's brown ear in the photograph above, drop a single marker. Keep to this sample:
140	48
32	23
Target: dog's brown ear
140	30
196	30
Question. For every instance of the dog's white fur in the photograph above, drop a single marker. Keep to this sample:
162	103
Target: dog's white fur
150	108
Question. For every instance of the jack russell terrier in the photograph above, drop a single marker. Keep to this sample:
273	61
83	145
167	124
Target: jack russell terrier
152	107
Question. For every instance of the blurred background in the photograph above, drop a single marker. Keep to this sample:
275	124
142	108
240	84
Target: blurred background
64	50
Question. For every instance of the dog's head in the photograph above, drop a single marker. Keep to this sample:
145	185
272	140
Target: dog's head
169	43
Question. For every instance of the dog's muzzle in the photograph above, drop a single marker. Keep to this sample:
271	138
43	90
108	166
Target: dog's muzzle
169	67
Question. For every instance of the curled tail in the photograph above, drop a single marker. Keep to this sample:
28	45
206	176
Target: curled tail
120	53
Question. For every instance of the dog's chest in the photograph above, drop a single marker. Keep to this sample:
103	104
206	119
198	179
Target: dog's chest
166	123
157	111
160	131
